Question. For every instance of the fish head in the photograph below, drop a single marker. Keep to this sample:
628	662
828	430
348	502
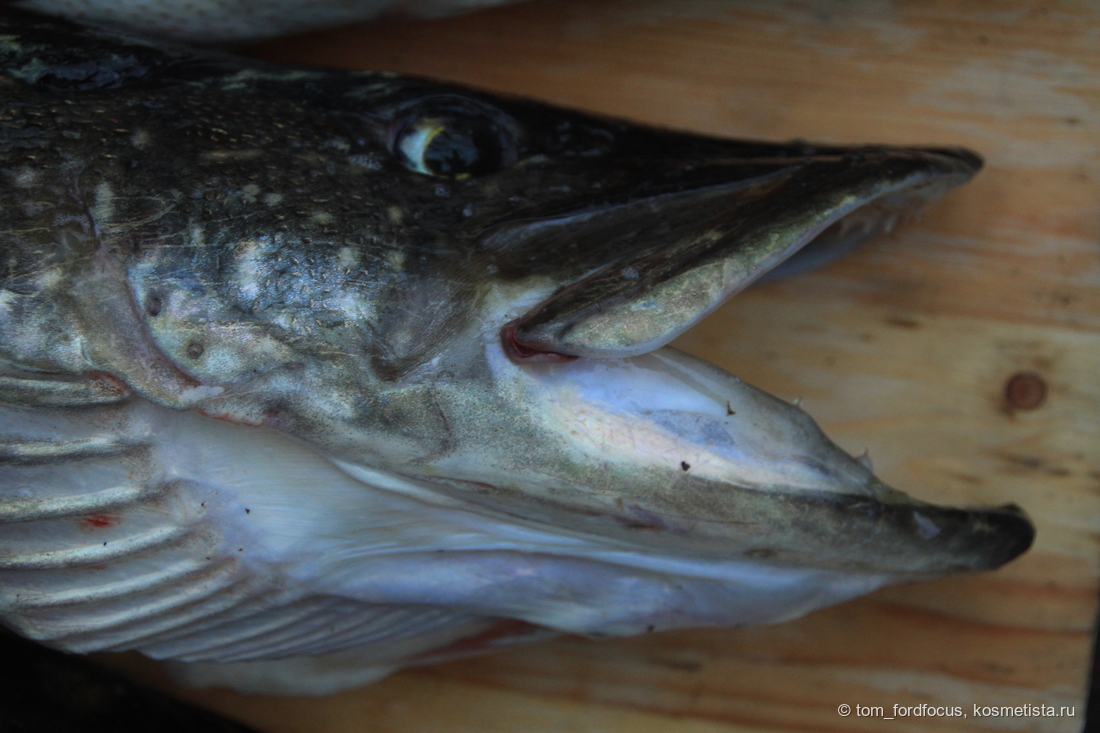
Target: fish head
464	302
548	260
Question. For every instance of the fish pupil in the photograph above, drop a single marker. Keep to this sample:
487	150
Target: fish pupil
462	149
454	152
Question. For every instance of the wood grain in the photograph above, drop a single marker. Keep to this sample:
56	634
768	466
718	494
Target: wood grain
904	349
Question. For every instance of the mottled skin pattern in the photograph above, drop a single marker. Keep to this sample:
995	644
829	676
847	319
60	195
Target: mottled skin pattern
263	226
252	243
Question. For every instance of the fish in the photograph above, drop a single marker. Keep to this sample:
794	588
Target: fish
234	21
310	375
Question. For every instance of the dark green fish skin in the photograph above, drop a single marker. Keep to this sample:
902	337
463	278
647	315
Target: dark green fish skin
285	249
211	152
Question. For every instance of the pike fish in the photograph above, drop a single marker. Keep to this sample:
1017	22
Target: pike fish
309	375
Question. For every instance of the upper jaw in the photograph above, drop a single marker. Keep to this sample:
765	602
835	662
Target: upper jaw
658	262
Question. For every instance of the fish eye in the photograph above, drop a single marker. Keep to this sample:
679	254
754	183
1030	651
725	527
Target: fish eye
451	145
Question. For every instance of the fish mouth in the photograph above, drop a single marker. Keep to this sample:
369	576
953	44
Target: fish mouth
682	455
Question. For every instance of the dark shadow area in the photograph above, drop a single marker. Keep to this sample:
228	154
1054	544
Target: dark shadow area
44	691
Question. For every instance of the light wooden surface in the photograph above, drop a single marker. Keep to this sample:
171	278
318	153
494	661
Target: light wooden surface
904	349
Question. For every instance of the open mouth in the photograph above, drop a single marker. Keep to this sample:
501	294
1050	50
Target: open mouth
685	457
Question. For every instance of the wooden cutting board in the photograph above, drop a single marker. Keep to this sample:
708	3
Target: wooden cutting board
904	349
